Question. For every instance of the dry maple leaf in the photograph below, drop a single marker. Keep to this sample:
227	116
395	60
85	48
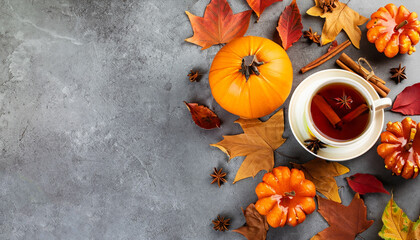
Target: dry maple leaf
219	24
256	225
257	143
345	222
322	174
397	225
341	18
259	5
203	116
290	25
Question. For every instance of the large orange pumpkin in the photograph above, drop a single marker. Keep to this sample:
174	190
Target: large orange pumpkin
394	30
400	148
285	196
251	76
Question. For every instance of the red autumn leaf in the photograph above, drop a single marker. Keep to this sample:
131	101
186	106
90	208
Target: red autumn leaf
408	101
345	222
219	24
290	25
365	183
259	5
332	45
203	116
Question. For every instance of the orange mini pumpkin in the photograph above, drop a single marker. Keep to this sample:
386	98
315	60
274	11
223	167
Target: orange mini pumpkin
285	196
394	30
251	76
400	148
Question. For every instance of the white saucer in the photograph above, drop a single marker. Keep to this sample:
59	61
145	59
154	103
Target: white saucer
301	131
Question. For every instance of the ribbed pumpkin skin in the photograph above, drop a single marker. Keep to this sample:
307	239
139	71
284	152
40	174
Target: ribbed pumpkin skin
388	40
259	95
276	202
401	161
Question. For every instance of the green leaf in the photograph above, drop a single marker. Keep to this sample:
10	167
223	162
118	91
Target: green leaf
397	226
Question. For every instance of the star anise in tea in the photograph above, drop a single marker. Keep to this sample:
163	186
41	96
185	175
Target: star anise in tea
327	5
398	74
194	76
344	101
218	176
314	145
221	224
312	36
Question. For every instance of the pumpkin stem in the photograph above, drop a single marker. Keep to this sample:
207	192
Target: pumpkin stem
410	139
249	66
402	24
290	194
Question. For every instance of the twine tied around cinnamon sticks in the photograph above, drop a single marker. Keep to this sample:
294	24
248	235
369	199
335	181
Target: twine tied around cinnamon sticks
377	83
369	74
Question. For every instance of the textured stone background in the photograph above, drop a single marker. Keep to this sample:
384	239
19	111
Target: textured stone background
96	143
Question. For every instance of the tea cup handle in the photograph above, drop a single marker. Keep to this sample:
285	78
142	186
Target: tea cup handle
382	103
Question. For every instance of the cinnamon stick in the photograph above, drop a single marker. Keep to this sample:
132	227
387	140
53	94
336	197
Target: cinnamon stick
355	113
343	66
319	61
344	58
326	109
377	89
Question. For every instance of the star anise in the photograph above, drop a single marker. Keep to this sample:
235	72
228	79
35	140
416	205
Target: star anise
314	145
221	224
312	36
218	176
194	76
398	74
327	5
344	101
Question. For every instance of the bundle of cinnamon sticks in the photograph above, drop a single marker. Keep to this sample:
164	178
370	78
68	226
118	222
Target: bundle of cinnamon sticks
377	83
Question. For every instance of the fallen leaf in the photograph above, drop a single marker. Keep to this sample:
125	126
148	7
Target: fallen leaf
203	116
257	143
341	18
219	24
290	25
397	225
408	101
322	174
345	222
363	183
259	5
256	225
333	45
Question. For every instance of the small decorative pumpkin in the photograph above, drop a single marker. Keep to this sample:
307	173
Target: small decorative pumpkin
400	148
251	76
285	196
394	30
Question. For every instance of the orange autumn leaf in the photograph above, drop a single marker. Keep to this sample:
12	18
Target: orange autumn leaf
345	222
219	24
256	224
202	116
257	143
341	18
290	25
259	5
322	174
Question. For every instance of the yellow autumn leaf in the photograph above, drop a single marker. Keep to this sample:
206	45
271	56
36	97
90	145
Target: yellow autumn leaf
322	174
397	226
341	18
257	143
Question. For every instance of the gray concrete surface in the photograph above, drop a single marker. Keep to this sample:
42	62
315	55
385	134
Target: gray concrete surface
96	142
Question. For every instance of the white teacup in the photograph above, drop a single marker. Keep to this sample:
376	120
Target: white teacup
373	107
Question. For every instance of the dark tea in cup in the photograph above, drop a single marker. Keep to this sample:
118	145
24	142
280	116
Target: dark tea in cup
339	112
